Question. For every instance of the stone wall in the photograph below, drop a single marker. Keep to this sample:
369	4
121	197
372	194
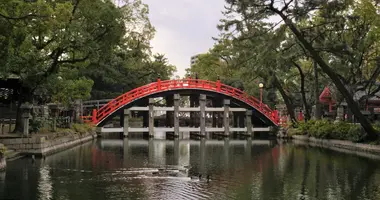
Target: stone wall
3	162
343	144
41	146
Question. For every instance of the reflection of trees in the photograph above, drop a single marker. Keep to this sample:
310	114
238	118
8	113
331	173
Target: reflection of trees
313	173
239	171
304	176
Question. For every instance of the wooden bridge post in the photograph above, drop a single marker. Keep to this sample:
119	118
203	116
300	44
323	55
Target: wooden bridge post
248	121
177	98
151	117
226	117
202	104
127	114
94	114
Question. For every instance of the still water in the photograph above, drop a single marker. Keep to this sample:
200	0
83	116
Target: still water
159	169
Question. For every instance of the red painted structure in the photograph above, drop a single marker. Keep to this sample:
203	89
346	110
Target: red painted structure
327	98
168	85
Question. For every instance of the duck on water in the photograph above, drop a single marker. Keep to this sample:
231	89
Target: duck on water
199	177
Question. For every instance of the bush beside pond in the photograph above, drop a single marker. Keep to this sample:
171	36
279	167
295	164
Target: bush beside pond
325	129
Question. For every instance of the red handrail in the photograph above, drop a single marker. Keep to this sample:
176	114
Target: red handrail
166	85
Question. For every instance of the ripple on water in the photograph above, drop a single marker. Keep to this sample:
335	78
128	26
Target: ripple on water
281	172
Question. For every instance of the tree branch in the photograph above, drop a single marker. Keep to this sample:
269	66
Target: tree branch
22	17
74	60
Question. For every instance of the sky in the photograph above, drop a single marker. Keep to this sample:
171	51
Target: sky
184	28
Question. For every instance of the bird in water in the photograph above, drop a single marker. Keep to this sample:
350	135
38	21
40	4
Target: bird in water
196	177
199	177
208	178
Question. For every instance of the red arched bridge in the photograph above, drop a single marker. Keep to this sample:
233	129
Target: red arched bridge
194	86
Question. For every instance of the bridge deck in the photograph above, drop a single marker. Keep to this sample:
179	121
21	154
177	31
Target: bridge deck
181	129
187	109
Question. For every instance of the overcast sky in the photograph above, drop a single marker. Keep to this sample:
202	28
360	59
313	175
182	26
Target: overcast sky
184	28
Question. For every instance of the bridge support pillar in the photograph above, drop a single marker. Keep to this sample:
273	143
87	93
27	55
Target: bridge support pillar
202	152
126	116
176	151
226	117
151	117
169	115
202	104
248	122
177	99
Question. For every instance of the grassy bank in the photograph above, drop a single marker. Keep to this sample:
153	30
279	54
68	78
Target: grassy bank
75	128
325	129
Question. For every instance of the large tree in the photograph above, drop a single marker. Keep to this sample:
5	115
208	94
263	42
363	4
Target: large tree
301	18
41	41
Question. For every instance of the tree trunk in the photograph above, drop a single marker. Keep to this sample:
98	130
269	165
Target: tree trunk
371	132
303	93
287	99
317	113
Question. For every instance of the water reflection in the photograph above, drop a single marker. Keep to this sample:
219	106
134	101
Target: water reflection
2	181
161	169
45	187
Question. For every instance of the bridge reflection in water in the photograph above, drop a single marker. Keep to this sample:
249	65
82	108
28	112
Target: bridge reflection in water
160	153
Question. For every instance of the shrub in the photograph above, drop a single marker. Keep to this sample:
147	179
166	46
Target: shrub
294	131
3	149
325	129
82	128
35	125
341	130
356	134
304	127
320	129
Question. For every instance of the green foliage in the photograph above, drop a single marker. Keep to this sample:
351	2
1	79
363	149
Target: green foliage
122	72
304	127
66	50
294	131
80	42
83	128
35	125
325	129
356	134
321	129
66	91
278	42
3	150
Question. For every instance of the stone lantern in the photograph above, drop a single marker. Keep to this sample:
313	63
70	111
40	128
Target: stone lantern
75	111
26	108
54	111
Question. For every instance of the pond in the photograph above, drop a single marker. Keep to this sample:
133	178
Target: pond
170	169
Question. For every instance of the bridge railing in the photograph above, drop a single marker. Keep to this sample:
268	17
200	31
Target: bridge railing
166	85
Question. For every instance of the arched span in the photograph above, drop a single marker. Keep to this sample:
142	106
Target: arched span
123	100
